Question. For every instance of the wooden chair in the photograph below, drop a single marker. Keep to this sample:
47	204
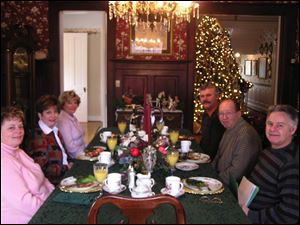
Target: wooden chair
137	210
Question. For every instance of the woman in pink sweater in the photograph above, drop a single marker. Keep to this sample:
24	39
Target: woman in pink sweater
24	187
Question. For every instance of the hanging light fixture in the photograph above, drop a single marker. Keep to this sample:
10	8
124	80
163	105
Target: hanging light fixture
151	12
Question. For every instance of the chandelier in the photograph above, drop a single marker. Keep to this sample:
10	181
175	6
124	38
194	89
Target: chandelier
151	12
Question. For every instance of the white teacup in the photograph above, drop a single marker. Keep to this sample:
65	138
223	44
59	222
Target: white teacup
164	130
173	185
185	146
141	133
104	135
105	157
113	181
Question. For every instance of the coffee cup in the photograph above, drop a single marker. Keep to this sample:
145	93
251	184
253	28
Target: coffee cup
173	185
164	130
185	146
105	157
113	181
141	133
104	135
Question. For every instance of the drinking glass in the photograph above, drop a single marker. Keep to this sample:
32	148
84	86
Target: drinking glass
159	125
122	125
172	158
100	171
174	135
112	143
149	158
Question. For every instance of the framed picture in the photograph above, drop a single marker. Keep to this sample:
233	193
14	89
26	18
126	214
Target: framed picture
247	67
150	40
262	67
254	67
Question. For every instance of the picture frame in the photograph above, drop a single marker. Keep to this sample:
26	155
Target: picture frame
262	67
254	68
150	40
247	67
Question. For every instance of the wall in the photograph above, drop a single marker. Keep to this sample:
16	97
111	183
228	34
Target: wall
248	33
33	13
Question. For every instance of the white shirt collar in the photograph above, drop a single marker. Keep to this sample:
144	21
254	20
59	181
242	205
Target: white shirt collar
46	129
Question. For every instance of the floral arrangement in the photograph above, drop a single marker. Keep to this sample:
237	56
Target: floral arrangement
133	149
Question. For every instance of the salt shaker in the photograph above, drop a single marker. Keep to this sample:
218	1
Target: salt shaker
131	177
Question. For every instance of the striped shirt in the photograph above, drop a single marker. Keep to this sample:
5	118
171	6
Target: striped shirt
277	175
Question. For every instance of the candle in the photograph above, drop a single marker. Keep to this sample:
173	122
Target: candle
147	118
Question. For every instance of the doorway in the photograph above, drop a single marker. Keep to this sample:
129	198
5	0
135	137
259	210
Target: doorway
94	25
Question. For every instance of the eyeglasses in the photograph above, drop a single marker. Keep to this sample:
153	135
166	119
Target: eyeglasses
206	199
226	113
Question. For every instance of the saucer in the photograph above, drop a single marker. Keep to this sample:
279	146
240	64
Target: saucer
122	188
135	195
166	191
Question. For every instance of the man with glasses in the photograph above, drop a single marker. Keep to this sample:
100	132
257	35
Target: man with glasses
239	146
277	171
211	129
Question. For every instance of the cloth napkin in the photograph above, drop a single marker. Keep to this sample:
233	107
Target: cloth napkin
75	198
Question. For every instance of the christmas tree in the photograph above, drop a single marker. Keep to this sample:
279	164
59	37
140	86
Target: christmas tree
215	63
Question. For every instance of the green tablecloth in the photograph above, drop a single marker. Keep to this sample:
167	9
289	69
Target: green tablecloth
67	208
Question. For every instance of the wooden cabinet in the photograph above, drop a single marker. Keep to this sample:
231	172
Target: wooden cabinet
18	71
172	119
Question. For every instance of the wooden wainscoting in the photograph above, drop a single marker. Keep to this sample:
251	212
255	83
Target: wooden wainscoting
152	77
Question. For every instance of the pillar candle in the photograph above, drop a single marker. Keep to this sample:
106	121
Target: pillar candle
147	118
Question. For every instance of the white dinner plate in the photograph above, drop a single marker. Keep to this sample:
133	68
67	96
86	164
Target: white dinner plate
69	185
210	186
197	157
186	166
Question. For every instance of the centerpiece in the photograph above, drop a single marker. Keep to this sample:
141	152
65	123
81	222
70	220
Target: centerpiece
135	151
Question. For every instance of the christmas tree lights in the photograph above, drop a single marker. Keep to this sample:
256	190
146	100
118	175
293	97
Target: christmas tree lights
215	63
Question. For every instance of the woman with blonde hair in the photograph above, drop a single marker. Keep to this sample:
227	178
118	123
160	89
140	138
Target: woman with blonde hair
24	188
68	124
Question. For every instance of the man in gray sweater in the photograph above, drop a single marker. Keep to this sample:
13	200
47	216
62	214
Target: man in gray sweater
239	146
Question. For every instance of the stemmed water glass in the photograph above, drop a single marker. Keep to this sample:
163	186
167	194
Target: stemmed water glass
174	135
172	158
159	125
122	125
100	172
111	144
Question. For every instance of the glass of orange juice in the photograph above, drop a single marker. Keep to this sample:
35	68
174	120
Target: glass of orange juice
122	125
174	135
112	143
100	171
172	158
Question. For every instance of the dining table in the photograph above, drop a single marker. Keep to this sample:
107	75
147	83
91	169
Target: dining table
72	208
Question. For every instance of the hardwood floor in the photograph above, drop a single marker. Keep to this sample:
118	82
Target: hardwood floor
90	129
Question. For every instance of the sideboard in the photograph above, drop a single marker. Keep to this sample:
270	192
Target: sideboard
172	119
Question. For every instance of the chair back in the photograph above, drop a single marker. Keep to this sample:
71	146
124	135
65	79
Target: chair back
137	210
